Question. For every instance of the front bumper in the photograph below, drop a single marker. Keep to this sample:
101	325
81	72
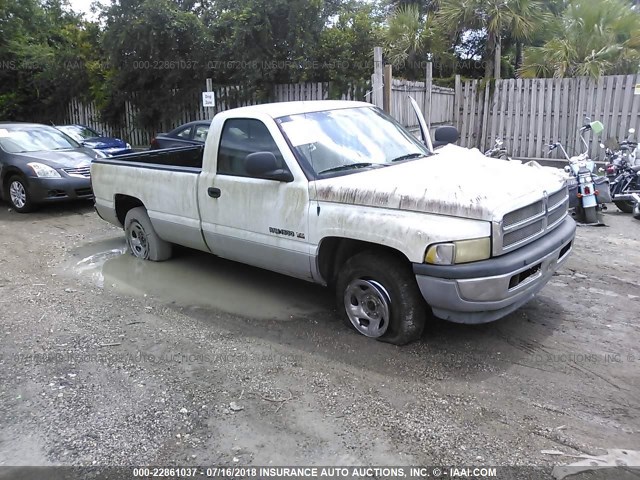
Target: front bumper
45	190
488	290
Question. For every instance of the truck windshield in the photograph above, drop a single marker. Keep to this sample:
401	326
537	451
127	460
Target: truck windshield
349	140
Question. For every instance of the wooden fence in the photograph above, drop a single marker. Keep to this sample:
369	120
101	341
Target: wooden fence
531	113
442	103
190	107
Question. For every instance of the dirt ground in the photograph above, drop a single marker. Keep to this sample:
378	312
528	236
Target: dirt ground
107	360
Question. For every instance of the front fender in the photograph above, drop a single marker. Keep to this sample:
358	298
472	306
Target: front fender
408	232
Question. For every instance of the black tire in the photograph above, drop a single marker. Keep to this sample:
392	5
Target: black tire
17	181
142	240
625	206
636	211
590	215
380	277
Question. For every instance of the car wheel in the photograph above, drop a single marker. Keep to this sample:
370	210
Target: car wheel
142	240
378	296
18	194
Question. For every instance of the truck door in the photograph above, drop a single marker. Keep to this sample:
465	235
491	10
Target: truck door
258	221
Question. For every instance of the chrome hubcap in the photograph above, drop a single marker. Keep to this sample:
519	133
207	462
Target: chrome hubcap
138	241
367	305
18	194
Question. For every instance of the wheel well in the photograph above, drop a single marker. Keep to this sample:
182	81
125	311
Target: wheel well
335	251
7	174
124	203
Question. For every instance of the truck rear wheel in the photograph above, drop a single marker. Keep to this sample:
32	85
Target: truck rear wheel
378	296
142	240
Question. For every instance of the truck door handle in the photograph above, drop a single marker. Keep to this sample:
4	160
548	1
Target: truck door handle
214	192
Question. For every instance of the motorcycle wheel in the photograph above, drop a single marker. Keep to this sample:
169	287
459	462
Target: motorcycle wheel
636	211
624	206
590	215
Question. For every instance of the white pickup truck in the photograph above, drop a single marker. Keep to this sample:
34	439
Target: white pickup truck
340	194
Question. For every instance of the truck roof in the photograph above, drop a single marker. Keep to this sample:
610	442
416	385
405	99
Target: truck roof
283	109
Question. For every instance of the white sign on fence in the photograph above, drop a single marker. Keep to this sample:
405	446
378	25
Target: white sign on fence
637	91
208	99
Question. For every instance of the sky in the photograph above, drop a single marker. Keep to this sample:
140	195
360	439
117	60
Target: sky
83	6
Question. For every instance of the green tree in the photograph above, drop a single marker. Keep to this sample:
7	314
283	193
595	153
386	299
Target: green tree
261	42
45	51
344	52
589	39
493	17
157	51
411	38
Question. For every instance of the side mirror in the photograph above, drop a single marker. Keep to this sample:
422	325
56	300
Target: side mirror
265	165
445	135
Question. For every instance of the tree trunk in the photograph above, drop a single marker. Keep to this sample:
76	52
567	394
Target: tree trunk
498	60
489	56
519	55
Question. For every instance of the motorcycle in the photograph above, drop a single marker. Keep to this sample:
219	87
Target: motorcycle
498	151
585	195
624	174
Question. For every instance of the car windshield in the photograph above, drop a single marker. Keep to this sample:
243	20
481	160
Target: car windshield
18	139
350	139
78	132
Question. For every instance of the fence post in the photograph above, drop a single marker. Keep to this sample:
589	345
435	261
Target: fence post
211	111
428	93
388	77
377	80
457	104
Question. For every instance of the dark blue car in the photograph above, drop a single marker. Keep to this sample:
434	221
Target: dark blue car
90	138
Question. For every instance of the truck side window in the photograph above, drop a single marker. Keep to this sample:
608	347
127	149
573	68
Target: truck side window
240	137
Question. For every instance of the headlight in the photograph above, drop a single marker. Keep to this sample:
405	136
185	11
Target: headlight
44	171
462	251
100	154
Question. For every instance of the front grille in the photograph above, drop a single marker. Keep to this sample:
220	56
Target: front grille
532	221
556	198
523	213
523	233
558	214
79	172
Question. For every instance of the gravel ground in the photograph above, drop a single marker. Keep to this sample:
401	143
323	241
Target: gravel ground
106	360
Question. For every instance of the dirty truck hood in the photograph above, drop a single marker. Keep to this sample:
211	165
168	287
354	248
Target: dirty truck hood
455	181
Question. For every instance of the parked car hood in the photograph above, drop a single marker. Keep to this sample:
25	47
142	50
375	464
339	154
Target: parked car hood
72	158
455	181
104	142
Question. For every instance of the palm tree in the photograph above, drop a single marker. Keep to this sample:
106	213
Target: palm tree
521	17
411	36
594	39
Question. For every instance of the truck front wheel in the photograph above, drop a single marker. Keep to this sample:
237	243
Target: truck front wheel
378	296
142	240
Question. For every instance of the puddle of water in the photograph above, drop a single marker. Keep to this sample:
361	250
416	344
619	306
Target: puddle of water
91	263
194	278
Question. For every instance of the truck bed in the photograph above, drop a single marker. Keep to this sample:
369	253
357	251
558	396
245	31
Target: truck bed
190	157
